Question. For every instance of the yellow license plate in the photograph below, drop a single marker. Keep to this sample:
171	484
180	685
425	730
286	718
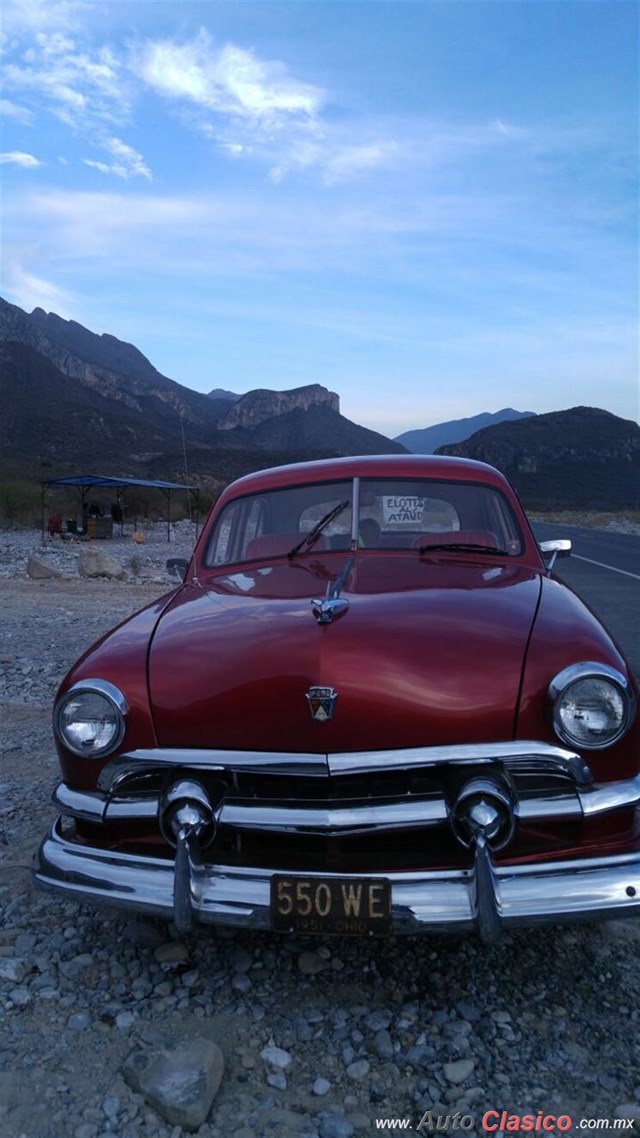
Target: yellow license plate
347	906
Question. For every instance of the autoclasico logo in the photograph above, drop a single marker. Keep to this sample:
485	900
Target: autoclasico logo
494	1120
500	1121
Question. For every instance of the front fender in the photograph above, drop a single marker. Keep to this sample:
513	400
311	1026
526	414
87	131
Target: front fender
567	632
121	656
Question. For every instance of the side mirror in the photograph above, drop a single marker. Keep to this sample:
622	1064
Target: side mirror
558	547
177	566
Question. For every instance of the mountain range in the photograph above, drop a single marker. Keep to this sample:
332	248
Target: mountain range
78	402
582	458
75	401
428	439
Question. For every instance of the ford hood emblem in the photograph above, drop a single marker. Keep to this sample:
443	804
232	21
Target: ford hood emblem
322	702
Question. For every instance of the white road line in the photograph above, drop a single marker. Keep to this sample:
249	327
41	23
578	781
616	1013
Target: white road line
613	569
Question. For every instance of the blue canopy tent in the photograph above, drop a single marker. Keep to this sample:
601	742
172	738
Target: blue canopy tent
84	483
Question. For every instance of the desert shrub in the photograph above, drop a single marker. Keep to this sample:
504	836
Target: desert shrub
20	503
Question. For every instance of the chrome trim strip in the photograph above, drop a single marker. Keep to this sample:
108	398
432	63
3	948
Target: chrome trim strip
440	901
610	796
519	754
334	819
561	806
542	756
200	759
120	809
485	893
188	879
584	669
297	819
355	512
404	812
85	804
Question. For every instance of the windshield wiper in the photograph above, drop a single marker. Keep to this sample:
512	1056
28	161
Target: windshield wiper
313	534
463	547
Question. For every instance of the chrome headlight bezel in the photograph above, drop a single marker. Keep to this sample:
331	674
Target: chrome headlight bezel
588	670
117	705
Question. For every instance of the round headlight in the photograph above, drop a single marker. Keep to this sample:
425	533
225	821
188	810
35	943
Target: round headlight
592	705
90	718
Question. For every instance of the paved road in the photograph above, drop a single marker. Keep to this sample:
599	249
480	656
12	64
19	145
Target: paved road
604	569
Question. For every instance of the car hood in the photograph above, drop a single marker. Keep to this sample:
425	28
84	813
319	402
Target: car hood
427	653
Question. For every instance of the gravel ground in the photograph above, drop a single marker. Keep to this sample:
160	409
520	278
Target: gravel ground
610	522
320	1038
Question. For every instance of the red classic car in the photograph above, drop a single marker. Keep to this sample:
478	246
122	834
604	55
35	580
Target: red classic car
369	707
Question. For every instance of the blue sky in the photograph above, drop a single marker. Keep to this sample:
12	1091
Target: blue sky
428	207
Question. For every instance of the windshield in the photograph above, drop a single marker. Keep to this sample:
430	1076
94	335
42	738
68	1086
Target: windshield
392	514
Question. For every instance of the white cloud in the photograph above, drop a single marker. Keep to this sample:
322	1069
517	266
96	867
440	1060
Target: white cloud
250	108
81	85
15	111
129	157
256	109
86	87
85	228
103	167
253	109
229	80
26	17
19	158
28	290
349	161
129	163
226	234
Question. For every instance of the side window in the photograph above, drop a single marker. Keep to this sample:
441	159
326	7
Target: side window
505	527
240	523
219	552
253	523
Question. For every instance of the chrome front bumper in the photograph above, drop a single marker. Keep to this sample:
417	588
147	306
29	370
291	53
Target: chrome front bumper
536	782
436	901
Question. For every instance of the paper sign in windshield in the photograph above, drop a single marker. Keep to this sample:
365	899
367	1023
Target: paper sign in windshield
403	509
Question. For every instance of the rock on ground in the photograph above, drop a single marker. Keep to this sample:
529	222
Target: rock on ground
181	1082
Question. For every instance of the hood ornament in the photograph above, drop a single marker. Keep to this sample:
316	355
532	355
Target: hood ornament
322	703
324	610
333	605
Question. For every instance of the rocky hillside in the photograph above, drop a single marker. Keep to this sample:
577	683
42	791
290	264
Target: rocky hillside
103	351
76	402
428	439
581	458
221	393
257	407
109	368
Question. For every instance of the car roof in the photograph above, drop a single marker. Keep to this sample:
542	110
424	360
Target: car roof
368	466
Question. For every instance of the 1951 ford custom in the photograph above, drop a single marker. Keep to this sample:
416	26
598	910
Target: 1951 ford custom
369	707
